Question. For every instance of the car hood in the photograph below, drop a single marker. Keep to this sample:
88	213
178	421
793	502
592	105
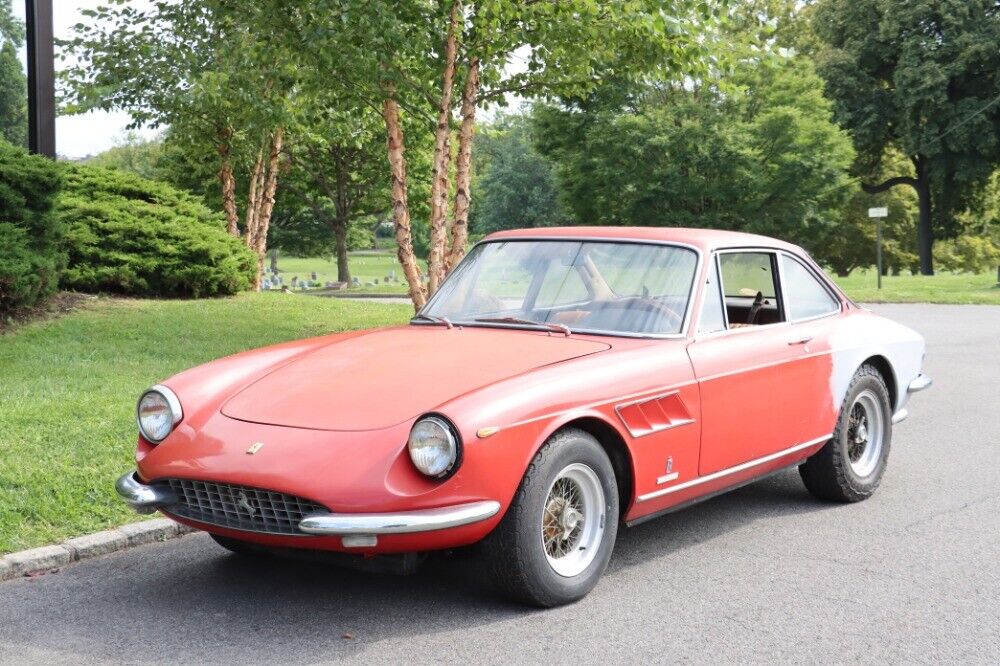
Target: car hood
389	376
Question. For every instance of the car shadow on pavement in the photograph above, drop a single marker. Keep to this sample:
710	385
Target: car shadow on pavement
203	605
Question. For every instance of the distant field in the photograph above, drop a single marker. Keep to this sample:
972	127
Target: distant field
940	288
366	266
860	285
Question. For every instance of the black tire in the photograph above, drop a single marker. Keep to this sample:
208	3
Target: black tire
242	548
829	474
519	565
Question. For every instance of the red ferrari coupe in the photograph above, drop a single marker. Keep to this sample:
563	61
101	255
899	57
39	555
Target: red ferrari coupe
561	383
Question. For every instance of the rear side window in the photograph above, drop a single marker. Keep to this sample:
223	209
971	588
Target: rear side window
805	295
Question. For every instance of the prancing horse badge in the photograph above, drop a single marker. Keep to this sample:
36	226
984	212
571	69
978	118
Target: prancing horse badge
254	448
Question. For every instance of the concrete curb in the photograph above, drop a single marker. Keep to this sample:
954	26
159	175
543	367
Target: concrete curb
46	558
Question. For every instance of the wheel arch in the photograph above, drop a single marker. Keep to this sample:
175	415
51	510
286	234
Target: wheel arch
613	443
884	368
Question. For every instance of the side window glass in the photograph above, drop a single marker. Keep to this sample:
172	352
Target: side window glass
749	288
713	317
805	296
747	273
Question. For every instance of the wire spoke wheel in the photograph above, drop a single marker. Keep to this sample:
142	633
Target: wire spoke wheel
572	524
865	433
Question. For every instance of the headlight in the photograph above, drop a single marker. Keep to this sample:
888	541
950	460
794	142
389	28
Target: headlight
158	412
434	446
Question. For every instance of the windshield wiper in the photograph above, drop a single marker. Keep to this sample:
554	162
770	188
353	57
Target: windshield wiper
433	319
528	322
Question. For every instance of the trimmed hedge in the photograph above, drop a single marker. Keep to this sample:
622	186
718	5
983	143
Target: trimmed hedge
30	256
129	235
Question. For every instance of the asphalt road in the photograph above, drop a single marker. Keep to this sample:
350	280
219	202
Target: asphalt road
762	574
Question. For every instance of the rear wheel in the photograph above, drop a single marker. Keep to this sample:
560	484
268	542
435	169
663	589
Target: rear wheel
850	467
556	538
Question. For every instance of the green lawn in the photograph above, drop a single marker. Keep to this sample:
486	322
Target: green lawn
68	388
940	288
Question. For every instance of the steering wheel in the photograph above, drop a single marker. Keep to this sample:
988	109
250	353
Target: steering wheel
758	303
675	319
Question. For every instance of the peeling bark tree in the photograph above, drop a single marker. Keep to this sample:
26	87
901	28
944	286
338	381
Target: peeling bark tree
400	202
260	199
442	157
463	169
228	182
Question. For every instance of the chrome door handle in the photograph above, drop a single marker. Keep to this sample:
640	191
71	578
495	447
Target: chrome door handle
800	341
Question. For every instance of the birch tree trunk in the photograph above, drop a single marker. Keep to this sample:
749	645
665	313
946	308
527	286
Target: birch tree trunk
400	202
442	158
228	182
266	202
253	203
463	169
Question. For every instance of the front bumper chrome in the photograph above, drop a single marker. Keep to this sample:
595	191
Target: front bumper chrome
147	499
402	522
920	383
141	497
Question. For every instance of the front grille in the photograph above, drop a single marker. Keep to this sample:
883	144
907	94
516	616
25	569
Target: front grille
239	507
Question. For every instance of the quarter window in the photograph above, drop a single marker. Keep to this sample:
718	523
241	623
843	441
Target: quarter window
805	296
713	315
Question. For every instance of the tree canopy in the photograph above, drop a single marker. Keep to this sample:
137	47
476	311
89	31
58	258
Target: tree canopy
918	77
764	157
13	82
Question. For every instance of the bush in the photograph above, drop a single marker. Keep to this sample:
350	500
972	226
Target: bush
129	235
30	258
967	254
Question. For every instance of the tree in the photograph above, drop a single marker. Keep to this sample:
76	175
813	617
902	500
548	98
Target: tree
762	156
13	82
412	56
514	186
337	170
918	76
215	72
134	154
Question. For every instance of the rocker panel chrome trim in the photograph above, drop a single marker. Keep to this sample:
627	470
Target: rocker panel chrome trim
732	470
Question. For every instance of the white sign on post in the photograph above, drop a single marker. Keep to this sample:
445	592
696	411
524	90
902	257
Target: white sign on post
878	212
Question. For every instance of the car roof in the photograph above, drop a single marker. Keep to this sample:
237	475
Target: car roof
703	239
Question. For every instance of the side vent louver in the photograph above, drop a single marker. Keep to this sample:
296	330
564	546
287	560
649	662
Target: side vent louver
644	417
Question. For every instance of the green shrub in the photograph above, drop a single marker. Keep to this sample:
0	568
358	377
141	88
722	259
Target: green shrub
967	254
30	257
129	235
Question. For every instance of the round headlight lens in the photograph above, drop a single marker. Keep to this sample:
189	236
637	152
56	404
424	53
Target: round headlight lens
158	412
433	446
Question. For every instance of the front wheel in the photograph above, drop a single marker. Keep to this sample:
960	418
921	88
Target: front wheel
556	538
850	467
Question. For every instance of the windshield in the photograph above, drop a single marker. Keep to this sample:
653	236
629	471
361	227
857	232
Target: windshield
583	286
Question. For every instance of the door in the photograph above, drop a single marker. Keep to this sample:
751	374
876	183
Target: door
759	380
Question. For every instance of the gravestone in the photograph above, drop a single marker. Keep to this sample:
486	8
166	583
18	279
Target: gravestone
355	281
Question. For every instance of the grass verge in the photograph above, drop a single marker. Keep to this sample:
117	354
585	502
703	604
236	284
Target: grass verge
69	385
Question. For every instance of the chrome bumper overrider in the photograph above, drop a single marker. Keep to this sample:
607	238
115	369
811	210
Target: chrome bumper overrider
146	499
139	496
920	383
